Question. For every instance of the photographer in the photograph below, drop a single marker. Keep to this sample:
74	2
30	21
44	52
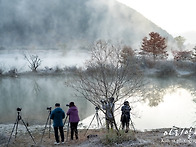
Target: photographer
109	107
73	119
125	116
57	115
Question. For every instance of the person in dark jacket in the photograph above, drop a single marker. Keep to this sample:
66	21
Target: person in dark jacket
57	115
125	116
73	119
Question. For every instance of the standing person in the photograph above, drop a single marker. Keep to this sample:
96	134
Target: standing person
73	119
125	116
109	107
57	115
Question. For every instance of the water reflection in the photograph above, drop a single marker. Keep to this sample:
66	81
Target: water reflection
174	105
169	102
34	94
154	95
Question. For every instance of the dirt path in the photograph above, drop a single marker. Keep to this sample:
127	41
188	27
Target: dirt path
154	138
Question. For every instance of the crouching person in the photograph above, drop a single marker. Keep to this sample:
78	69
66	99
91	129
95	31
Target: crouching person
125	116
57	115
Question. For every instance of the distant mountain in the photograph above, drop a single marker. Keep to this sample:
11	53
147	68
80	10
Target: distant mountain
53	22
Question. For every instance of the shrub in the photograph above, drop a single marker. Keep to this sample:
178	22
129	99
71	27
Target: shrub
58	69
165	69
13	72
71	69
112	137
1	71
147	63
184	65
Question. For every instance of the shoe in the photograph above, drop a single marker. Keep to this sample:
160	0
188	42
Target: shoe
62	142
56	143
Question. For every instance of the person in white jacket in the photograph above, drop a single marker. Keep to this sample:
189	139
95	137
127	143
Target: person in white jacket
109	107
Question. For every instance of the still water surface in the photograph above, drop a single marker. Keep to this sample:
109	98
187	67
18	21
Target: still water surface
171	102
34	94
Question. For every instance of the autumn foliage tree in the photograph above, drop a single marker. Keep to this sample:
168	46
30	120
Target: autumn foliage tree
194	54
182	55
155	46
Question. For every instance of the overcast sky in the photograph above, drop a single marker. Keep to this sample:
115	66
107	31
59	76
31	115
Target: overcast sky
175	16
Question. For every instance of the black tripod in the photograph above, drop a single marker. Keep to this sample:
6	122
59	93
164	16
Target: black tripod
67	126
97	117
132	124
16	125
48	119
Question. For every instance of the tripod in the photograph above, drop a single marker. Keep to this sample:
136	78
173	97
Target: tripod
48	119
67	127
98	119
16	125
132	124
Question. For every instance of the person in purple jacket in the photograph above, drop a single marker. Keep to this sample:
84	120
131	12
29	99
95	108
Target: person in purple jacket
73	119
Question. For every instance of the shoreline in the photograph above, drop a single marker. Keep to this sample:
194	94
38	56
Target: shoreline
93	137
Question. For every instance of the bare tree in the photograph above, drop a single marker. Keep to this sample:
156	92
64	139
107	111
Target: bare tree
127	54
106	76
34	62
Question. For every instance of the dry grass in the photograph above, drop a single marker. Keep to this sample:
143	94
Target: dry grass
100	138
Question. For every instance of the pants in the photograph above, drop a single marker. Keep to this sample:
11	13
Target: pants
109	123
73	126
57	135
125	121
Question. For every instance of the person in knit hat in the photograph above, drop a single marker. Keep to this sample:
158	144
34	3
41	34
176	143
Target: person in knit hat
73	119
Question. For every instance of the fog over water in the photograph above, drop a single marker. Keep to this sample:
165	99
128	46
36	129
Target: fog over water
10	59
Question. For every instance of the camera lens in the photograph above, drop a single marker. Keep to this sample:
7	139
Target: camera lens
19	109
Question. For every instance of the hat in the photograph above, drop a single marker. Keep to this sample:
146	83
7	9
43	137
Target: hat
57	104
126	103
71	104
111	99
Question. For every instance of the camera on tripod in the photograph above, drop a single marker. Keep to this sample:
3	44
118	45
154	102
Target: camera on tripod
19	118
103	101
49	108
19	109
96	108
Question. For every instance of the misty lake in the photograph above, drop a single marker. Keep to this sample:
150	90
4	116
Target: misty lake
171	101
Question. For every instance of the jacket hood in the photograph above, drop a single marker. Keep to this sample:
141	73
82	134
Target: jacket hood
73	108
58	109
